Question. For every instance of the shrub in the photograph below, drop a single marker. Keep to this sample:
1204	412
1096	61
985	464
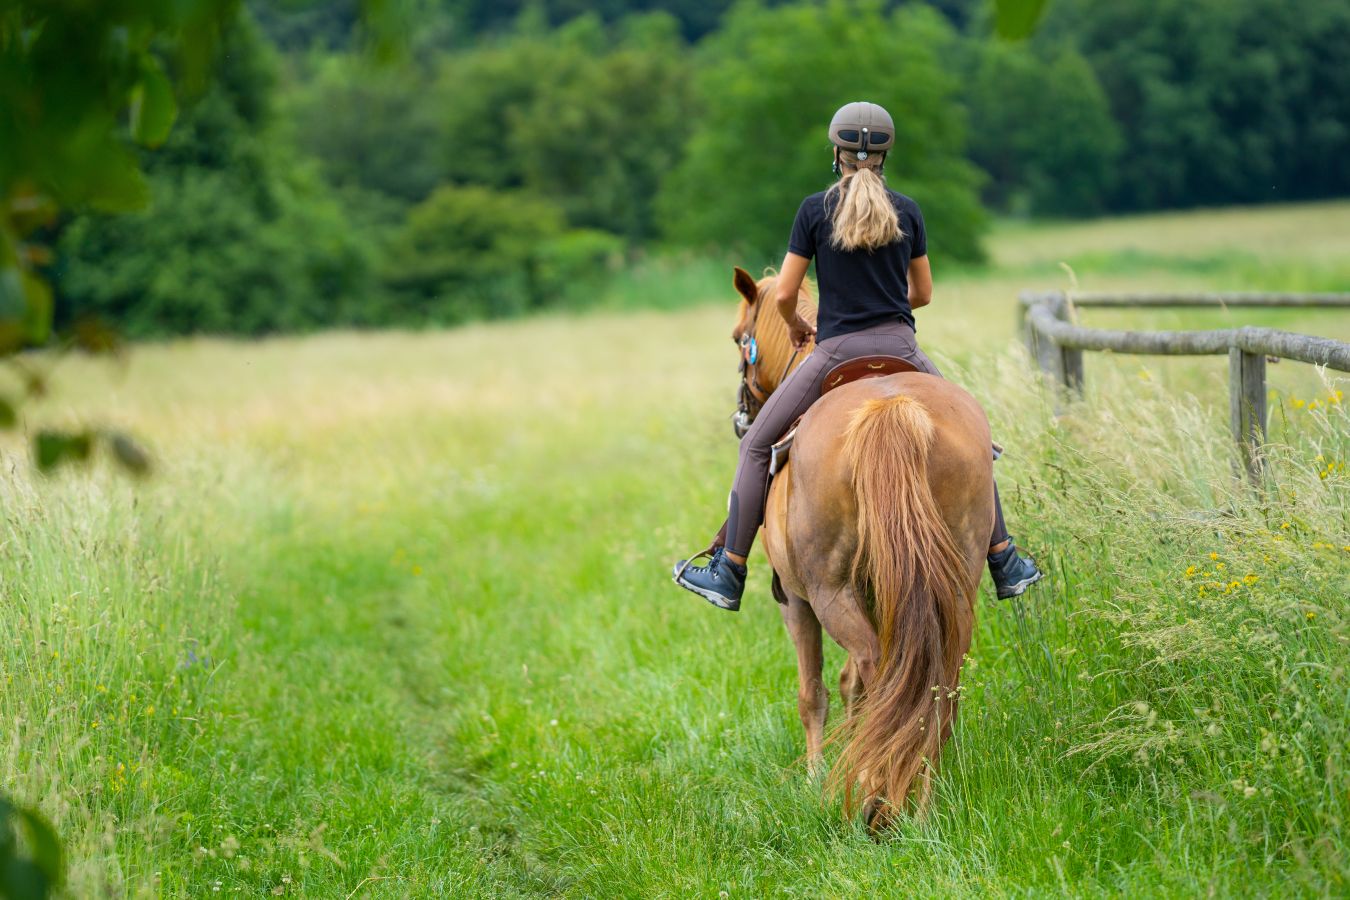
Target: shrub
471	252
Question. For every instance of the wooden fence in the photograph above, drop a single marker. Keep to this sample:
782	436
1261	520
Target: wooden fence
1057	345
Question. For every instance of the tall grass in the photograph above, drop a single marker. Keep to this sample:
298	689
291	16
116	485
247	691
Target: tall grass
394	619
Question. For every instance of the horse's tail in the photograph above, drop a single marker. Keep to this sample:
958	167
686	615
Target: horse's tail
909	565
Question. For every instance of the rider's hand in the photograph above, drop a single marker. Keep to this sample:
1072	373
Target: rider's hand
801	332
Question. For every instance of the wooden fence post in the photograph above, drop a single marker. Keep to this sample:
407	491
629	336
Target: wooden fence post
1024	329
1247	406
1049	356
1071	370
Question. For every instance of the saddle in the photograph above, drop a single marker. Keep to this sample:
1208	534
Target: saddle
864	367
844	373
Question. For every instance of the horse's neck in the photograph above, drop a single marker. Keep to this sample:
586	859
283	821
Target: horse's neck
776	359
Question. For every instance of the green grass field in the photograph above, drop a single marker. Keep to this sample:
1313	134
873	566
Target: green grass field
394	619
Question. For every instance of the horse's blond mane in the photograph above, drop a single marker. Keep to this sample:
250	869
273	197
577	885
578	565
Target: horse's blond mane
771	333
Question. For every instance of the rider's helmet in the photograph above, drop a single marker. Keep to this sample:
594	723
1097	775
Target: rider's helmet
863	128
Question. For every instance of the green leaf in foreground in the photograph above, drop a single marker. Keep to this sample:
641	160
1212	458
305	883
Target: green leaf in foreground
34	877
153	108
37	319
1015	20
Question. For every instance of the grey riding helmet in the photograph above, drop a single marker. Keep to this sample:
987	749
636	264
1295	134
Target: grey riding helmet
863	128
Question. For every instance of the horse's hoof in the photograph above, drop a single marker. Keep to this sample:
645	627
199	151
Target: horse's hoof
877	813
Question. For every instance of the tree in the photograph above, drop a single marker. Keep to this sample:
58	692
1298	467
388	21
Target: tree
590	116
238	236
378	128
598	137
695	17
1041	129
1219	101
471	252
768	84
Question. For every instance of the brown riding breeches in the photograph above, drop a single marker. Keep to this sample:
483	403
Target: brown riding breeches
794	396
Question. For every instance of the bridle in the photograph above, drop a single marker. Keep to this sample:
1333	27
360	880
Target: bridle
751	395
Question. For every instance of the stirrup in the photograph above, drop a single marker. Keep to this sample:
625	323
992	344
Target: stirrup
708	552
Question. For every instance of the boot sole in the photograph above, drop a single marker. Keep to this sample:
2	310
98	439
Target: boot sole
1017	590
716	600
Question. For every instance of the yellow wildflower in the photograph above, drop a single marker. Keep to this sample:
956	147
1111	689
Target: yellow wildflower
1214	556
1190	571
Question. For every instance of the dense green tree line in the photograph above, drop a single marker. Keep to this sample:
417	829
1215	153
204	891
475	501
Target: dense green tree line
1218	101
516	152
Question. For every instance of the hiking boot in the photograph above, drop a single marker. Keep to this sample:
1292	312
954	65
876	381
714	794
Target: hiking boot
721	582
1013	574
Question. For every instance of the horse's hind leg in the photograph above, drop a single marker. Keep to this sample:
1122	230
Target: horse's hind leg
844	619
846	622
813	701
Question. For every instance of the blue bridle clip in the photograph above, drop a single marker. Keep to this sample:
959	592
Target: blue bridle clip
752	352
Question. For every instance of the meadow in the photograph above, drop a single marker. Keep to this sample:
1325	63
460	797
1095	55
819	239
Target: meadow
393	616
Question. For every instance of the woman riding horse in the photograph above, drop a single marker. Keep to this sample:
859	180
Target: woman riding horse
872	269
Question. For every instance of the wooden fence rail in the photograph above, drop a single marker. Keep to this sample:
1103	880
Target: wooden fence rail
1228	299
1057	345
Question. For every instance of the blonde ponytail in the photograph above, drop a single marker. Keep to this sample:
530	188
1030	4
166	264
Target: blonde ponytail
864	216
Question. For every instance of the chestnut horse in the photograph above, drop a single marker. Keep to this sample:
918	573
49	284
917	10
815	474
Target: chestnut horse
877	528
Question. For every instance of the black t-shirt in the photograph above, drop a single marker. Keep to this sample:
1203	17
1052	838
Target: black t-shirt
859	288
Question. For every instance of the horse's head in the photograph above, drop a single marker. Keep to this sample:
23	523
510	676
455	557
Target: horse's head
762	338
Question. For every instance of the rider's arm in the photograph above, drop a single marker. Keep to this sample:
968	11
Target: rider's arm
790	279
920	282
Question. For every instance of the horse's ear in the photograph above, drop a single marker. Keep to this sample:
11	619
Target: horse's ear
745	283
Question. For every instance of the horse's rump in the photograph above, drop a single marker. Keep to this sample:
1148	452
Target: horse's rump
815	492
